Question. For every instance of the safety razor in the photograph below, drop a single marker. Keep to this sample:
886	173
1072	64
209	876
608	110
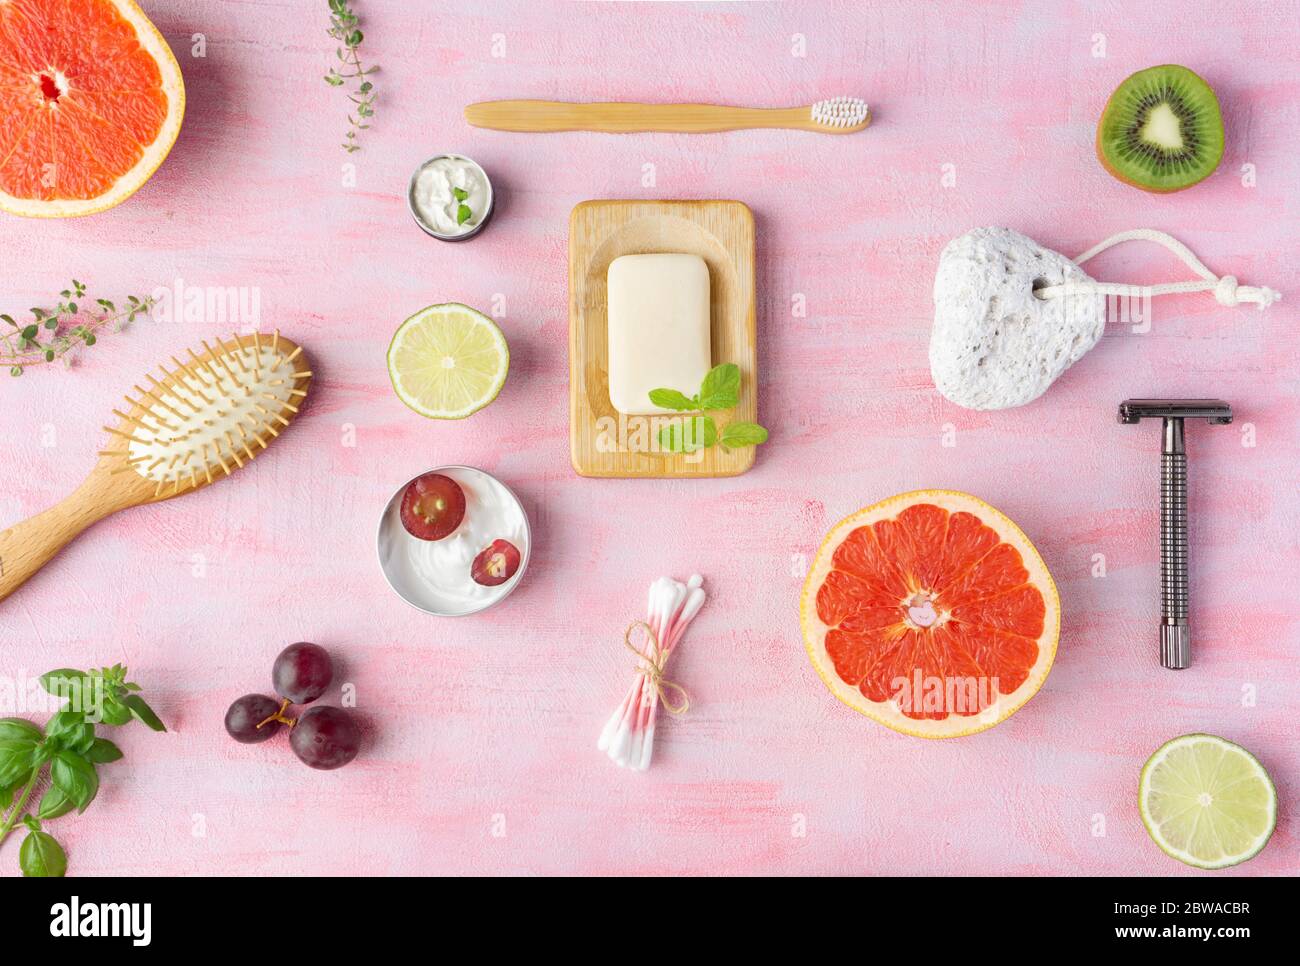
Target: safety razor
1175	634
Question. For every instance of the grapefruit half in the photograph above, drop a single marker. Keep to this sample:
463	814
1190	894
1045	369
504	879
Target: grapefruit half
91	100
932	613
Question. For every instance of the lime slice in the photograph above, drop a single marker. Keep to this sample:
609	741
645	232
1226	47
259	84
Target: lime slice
1206	801
448	361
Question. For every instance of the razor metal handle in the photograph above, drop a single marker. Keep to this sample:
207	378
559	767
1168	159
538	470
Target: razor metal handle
1175	634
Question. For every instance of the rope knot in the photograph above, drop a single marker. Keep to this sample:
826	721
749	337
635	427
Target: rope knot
653	658
1225	292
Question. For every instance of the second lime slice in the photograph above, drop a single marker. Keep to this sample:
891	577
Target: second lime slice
1206	801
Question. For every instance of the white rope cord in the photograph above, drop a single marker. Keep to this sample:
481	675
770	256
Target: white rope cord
1225	288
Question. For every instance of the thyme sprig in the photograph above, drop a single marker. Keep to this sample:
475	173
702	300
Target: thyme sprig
343	28
65	327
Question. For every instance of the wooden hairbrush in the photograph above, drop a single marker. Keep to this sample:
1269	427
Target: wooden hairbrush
201	421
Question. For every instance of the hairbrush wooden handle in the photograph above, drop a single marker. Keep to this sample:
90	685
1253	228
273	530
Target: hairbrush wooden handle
28	546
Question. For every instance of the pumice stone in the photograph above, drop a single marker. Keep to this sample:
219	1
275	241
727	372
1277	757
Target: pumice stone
995	343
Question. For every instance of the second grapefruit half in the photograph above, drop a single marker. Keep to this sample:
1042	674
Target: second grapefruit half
932	613
91	100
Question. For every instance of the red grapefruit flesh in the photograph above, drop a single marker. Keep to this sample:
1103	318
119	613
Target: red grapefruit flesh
91	101
932	613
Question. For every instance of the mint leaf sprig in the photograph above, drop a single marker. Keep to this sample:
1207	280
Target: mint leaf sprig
720	390
463	214
343	28
70	750
50	333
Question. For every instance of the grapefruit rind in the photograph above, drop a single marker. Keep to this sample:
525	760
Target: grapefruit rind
1153	830
173	85
886	713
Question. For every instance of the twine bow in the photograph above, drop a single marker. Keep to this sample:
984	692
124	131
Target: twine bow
652	663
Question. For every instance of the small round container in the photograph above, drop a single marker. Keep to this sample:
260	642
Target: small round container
429	229
492	511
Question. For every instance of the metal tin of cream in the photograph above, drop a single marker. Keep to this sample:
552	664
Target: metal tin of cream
434	575
432	229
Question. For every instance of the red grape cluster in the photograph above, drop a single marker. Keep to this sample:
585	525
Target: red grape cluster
322	738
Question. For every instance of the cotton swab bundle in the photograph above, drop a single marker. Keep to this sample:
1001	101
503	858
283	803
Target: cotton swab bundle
190	426
629	734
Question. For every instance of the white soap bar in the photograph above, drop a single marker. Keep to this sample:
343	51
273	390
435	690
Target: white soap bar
658	328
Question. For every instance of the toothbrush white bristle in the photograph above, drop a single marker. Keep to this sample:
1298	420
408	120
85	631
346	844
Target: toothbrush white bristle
840	112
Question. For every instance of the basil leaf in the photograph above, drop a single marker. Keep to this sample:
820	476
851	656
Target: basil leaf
64	722
64	681
735	435
460	193
721	387
102	751
54	803
114	712
688	435
42	857
75	777
70	730
672	399
18	729
142	712
463	214
17	758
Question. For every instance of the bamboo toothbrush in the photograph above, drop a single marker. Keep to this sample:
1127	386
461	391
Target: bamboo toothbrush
838	115
198	423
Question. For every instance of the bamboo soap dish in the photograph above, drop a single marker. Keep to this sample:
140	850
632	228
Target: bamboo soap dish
603	442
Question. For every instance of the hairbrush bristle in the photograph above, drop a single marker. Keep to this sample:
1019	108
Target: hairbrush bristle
840	112
212	414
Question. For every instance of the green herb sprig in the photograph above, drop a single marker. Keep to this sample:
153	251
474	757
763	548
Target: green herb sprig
719	390
21	344
463	214
343	28
70	750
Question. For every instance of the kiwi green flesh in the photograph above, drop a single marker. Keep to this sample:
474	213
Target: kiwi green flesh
1147	103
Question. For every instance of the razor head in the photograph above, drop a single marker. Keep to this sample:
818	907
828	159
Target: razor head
1216	411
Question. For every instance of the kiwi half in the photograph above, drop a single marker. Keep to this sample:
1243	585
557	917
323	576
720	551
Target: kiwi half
1161	130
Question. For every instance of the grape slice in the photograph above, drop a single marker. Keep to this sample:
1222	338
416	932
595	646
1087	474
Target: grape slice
432	506
495	564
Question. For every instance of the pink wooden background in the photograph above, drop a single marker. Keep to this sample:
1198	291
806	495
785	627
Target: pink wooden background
480	754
